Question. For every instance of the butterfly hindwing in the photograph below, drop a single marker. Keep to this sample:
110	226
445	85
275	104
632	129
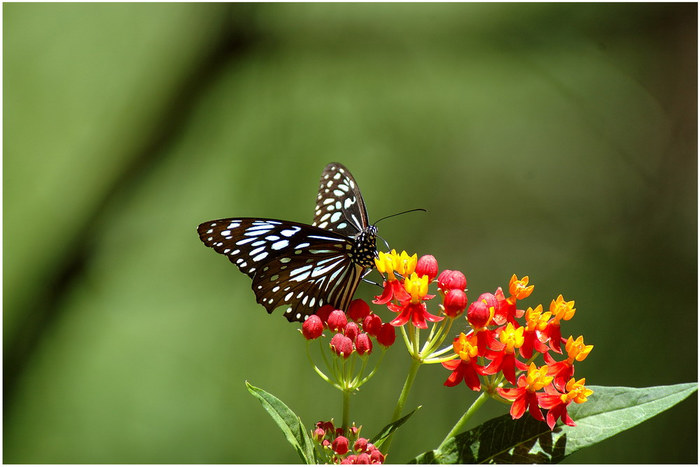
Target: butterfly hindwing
339	204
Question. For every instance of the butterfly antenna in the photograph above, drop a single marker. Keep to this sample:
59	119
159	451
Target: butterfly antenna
399	213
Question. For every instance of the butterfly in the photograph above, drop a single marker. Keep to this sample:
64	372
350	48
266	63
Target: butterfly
298	265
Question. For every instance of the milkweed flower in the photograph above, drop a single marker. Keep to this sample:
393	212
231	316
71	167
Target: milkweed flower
535	323
414	309
390	264
511	339
465	368
524	396
557	403
577	351
560	310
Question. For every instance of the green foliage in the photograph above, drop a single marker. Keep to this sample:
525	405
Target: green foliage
609	411
289	423
379	439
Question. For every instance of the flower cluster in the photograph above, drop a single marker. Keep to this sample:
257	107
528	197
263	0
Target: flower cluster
499	347
407	294
352	330
501	343
339	446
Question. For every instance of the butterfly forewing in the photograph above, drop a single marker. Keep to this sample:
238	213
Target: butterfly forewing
339	204
291	264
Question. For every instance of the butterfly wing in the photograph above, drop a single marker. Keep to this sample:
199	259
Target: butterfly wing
293	264
339	204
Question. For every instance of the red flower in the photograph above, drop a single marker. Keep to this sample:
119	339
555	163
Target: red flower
392	290
536	322
557	403
389	263
464	368
524	397
504	360
414	309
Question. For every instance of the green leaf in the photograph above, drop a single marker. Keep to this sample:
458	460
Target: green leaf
385	432
609	411
288	421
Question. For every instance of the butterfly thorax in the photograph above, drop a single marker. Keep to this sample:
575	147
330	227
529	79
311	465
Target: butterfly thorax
364	248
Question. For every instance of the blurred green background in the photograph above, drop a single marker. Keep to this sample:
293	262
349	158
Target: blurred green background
555	140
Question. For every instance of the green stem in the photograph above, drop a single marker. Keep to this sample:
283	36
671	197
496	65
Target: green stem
465	418
346	408
415	365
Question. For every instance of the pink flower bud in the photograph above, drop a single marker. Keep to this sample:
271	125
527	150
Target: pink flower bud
341	345
376	457
340	445
478	314
455	302
362	458
360	445
324	311
386	335
352	330
372	324
318	435
312	327
358	310
337	320
363	344
448	280
427	266
349	460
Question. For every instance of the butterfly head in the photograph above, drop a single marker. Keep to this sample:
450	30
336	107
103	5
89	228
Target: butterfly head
364	248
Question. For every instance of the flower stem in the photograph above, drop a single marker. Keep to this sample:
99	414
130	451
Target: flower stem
415	364
346	408
465	418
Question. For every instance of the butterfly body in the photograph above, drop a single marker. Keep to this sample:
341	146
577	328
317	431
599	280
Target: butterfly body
299	265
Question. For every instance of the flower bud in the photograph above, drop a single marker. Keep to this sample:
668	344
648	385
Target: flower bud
386	335
358	310
372	324
312	327
376	457
360	445
324	311
340	445
349	460
363	344
337	320
362	458
352	330
318	434
455	302
448	280
427	266
341	345
478	314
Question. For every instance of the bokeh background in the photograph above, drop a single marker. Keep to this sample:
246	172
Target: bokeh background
555	140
